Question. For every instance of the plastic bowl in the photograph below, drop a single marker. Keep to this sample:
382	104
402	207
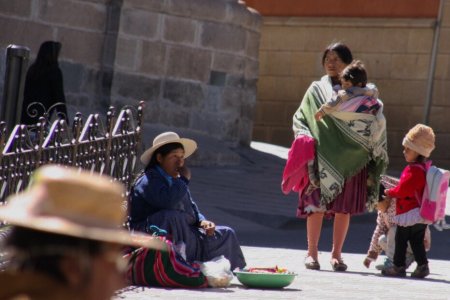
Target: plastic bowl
265	280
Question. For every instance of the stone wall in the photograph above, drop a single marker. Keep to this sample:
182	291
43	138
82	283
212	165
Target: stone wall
194	62
396	52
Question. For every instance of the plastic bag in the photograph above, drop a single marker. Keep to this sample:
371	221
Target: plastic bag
217	271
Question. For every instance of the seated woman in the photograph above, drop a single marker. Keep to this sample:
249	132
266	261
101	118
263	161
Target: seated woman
161	197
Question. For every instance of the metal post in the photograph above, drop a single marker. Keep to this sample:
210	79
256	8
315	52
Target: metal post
17	58
429	96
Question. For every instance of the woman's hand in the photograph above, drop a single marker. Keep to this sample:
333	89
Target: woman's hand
208	226
185	172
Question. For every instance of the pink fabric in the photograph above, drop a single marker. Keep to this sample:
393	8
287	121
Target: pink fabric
295	174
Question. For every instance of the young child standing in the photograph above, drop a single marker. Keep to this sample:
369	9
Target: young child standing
383	237
418	145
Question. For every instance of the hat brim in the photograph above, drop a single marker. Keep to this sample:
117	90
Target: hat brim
24	218
189	147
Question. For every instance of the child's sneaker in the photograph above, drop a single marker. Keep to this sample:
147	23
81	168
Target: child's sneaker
421	271
385	265
394	271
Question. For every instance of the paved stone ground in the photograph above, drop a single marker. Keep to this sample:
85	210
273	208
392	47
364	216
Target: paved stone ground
247	196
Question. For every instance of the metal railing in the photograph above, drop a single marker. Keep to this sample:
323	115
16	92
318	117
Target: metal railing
111	150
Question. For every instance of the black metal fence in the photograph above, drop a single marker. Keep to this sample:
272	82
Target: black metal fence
109	149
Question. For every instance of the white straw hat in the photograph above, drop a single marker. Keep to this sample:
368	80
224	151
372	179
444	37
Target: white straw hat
75	203
166	138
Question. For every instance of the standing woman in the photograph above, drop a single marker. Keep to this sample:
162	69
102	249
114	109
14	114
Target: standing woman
348	161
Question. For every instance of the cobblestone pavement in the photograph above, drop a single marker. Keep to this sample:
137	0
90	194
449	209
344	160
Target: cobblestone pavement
248	198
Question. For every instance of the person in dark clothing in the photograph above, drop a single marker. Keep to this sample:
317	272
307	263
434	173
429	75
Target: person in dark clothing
161	196
44	84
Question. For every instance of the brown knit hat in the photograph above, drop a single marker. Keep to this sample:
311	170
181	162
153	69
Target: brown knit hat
420	138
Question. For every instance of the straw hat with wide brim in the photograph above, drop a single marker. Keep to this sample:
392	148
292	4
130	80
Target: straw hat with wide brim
166	138
75	203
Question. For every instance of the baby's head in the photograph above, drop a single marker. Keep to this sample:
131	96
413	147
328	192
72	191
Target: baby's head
354	75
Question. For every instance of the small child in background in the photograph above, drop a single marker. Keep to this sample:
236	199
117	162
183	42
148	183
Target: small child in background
354	84
383	238
411	227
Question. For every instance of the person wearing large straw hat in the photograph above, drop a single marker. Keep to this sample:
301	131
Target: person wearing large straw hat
161	197
65	237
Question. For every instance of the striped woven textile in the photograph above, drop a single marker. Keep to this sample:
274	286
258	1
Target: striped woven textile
150	267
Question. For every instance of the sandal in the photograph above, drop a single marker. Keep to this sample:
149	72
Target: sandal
311	264
338	265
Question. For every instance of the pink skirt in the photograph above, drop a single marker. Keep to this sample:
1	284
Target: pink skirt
352	200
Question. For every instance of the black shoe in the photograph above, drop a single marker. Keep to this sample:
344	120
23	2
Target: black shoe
394	271
421	271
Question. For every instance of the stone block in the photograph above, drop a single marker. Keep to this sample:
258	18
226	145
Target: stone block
173	115
136	87
224	37
149	5
189	63
231	101
410	66
213	122
245	132
179	30
446	15
378	65
402	92
439	118
190	95
277	63
407	120
283	38
444	41
16	8
441	93
152	59
73	75
420	40
228	63
236	81
440	154
13	33
239	14
304	63
198	9
251	69
282	135
288	89
266	88
442	67
74	14
260	133
74	46
140	23
273	113
128	51
252	44
213	98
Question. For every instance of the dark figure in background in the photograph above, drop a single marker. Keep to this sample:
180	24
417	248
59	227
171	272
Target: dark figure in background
44	84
